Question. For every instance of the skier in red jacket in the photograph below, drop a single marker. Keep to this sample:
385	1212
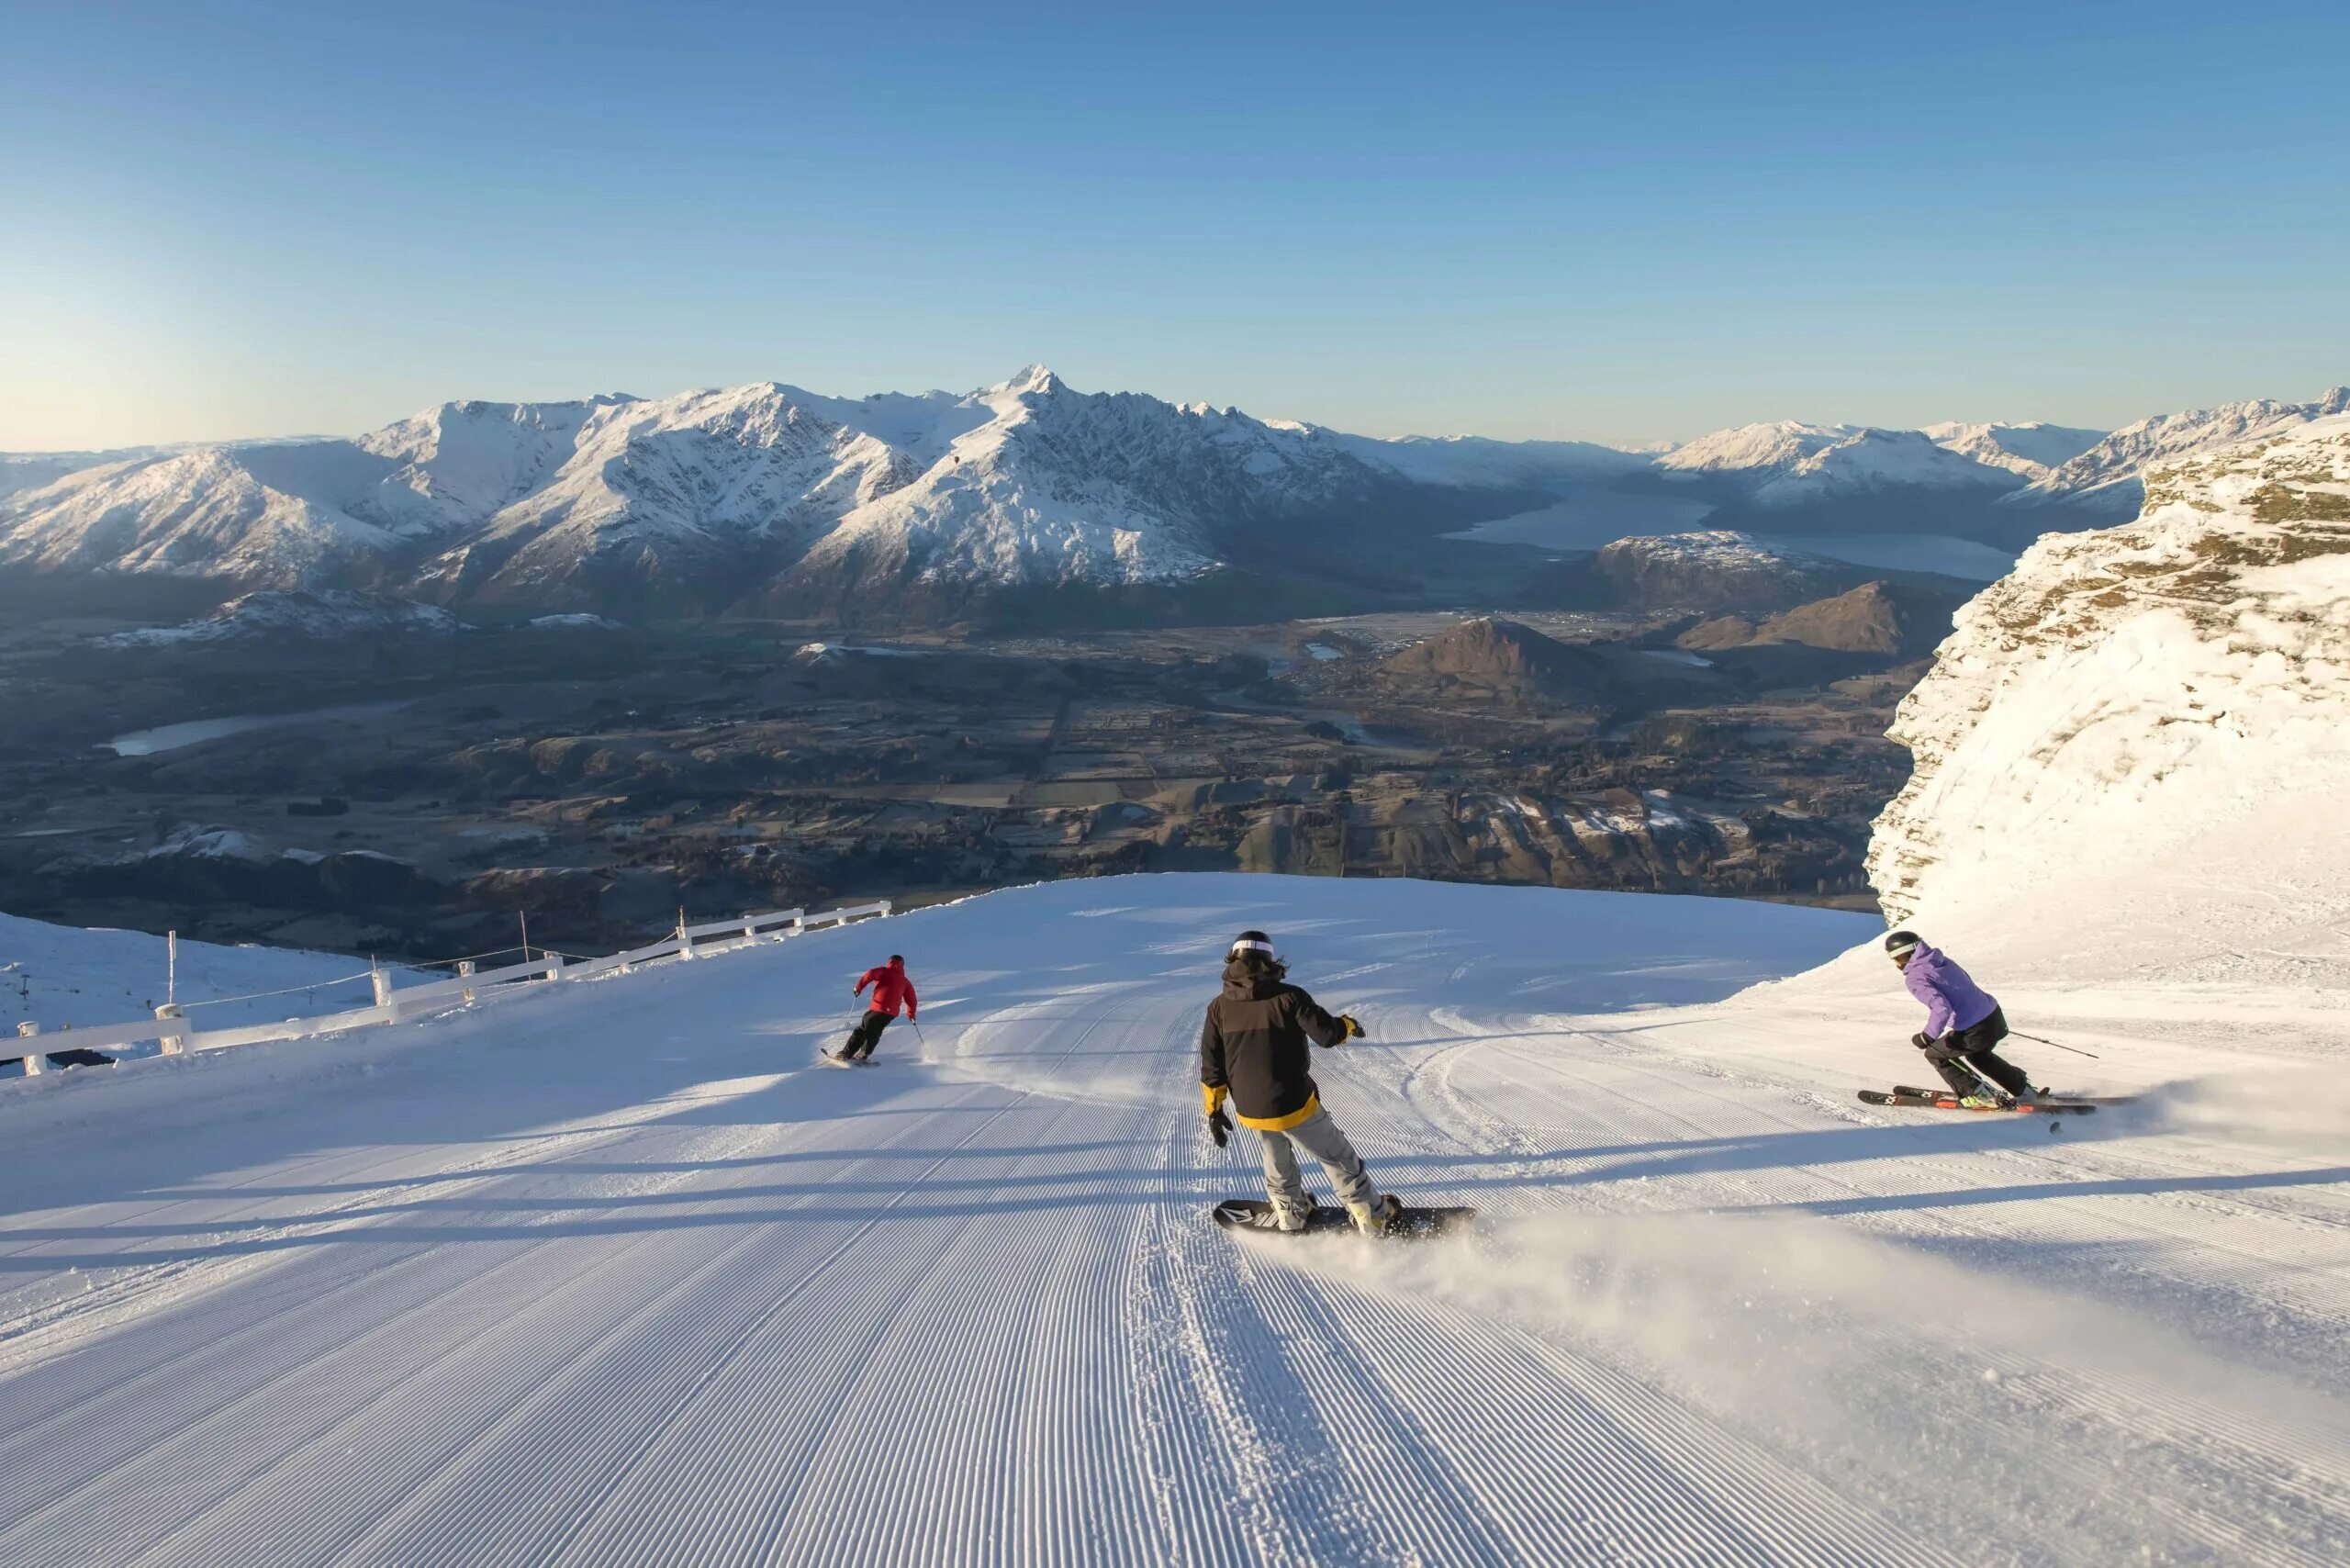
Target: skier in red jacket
891	990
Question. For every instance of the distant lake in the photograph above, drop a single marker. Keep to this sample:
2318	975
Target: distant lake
171	737
1952	556
1587	519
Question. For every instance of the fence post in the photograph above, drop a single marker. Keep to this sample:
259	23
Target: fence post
466	971
383	984
33	1064
685	940
554	964
171	1040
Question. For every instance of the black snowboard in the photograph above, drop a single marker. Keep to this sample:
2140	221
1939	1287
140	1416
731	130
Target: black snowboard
1946	1101
1256	1214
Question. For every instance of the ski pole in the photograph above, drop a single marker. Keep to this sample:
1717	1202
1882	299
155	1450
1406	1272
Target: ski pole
2076	1050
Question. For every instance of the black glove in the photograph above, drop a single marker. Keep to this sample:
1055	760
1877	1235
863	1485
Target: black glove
1219	1126
1921	1039
1354	1026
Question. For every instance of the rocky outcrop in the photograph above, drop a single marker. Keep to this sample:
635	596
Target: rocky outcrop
1716	570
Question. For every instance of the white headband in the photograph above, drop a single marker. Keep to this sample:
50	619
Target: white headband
1252	947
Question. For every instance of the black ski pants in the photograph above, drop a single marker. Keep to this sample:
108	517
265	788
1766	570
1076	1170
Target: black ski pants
1976	1048
866	1035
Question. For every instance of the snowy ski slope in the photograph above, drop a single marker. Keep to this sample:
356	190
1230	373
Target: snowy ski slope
620	1276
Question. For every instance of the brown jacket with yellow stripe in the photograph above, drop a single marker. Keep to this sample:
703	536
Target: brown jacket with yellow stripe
1253	1046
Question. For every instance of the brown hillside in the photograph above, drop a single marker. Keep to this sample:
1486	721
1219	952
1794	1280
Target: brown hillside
1505	658
1868	620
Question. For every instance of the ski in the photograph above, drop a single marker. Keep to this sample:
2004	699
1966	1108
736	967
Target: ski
2051	1097
1946	1101
1412	1225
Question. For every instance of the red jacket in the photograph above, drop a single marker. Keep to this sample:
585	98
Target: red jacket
891	989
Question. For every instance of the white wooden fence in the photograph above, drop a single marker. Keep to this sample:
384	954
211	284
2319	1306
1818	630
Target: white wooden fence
178	1034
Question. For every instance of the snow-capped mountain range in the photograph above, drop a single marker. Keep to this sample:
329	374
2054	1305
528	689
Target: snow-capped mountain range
1784	463
714	497
769	496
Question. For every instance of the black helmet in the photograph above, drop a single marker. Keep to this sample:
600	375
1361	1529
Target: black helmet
1900	943
1250	942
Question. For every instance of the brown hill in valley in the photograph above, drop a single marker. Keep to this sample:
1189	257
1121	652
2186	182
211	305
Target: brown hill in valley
1874	617
1722	631
1505	660
1871	618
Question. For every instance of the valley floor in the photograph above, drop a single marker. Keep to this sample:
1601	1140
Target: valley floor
619	1275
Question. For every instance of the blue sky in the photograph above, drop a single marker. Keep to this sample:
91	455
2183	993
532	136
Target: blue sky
1625	222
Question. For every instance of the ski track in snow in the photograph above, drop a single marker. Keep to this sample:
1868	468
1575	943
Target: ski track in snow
617	1275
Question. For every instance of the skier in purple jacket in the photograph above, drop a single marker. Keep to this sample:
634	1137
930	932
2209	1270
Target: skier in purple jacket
1963	1025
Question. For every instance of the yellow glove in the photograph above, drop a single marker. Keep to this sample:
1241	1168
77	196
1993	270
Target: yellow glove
1354	1025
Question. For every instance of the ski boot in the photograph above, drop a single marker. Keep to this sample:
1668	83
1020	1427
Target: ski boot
1986	1098
1378	1219
1292	1217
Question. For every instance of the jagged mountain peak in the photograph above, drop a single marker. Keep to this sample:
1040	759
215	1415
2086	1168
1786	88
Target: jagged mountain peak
1034	379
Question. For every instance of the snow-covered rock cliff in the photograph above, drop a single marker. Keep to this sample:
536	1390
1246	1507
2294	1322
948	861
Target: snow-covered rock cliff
2141	736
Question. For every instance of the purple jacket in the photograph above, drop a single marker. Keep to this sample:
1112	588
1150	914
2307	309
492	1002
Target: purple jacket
1952	999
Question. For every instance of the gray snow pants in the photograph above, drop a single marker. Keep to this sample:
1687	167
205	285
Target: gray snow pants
1319	1137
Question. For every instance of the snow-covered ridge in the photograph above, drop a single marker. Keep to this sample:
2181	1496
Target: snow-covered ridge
2030	448
2139	736
2108	475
